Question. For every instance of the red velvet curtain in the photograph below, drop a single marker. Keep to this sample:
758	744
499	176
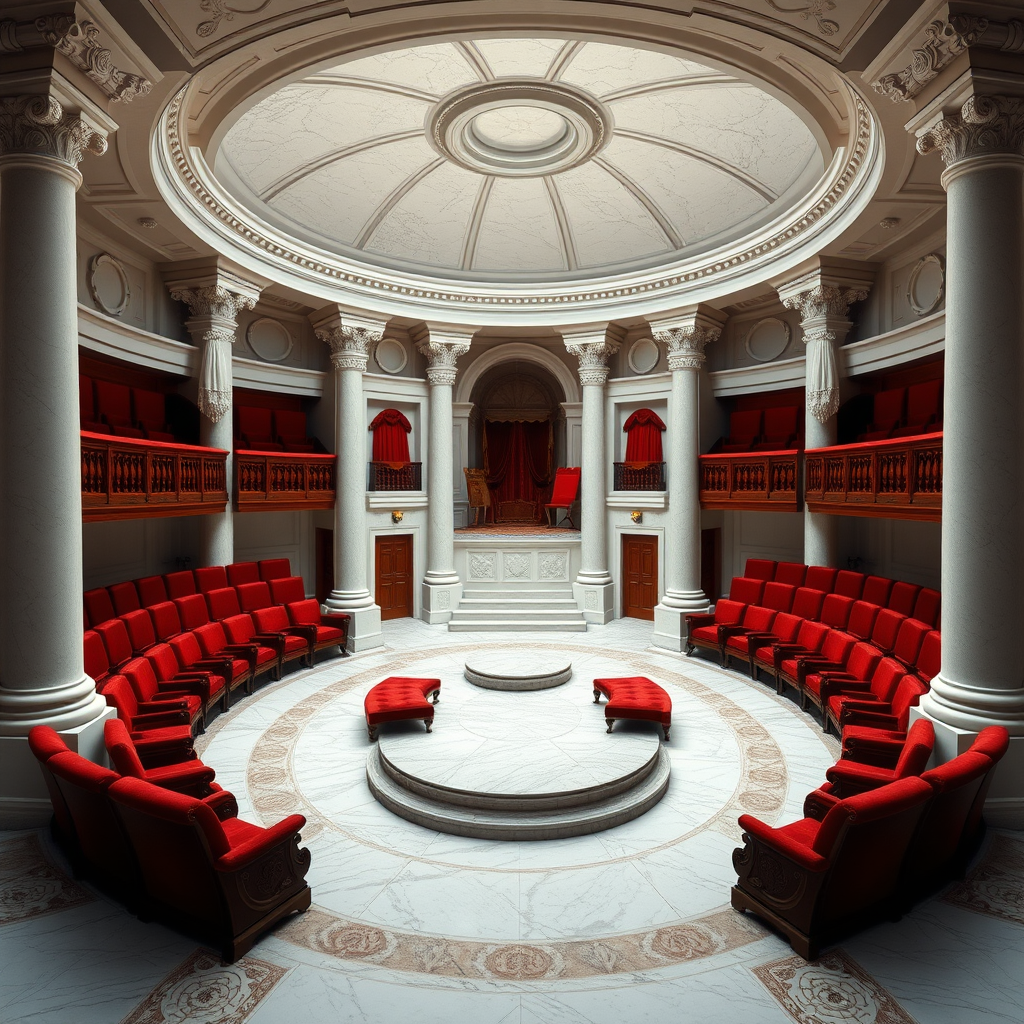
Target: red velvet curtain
517	460
643	437
390	437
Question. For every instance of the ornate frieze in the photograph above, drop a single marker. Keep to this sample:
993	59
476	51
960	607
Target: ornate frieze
39	125
442	355
685	345
985	125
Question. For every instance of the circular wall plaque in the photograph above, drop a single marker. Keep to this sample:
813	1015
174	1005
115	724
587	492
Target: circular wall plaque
643	355
927	284
767	339
391	355
269	339
108	284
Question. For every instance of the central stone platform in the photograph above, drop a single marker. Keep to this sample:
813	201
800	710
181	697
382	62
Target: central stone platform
521	766
517	670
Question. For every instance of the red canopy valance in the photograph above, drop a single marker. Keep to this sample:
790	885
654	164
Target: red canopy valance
390	436
643	436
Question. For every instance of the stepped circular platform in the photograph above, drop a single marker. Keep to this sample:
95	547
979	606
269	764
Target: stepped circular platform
525	766
518	670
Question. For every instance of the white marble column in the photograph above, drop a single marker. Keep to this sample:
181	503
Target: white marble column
823	297
981	681
349	338
42	674
594	588
685	338
442	589
462	423
215	298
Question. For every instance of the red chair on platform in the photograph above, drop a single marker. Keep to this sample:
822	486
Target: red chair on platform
210	577
116	642
819	683
298	640
208	684
162	736
233	670
878	687
98	606
223	603
746	589
193	612
809	640
125	598
876	590
216	648
180	584
821	577
760	569
150	691
254	595
758	646
903	597
269	648
793	573
44	743
929	659
849	584
165	619
927	607
287	590
563	495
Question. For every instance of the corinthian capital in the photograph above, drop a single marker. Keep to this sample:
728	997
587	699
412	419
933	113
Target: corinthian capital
442	349
592	348
985	125
349	336
39	125
685	336
823	301
215	302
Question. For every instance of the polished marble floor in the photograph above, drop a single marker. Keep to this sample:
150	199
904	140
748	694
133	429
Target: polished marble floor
407	924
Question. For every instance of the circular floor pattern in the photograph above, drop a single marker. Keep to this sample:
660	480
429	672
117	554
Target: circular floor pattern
519	670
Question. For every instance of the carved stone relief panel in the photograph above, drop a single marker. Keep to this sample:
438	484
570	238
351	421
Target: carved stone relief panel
515	566
554	565
483	565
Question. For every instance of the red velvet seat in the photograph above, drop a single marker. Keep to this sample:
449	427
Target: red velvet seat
903	597
192	777
758	646
207	683
44	743
193	611
778	596
98	606
233	670
229	880
400	699
298	640
124	597
97	665
114	405
703	628
746	590
793	573
290	428
861	663
834	653
992	742
862	619
929	660
563	494
887	629
274	568
152	590
255	430
210	577
836	611
816	881
887	414
821	577
139	627
254	595
759	569
242	572
153	694
165	619
756	621
849	584
874	731
876	590
116	642
924	415
878	688
287	590
780	430
161	736
330	630
635	698
180	584
744	431
214	643
269	649
908	641
927	607
809	640
807	603
223	603
150	411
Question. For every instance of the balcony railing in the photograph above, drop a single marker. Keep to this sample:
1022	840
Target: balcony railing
125	478
639	476
395	476
898	479
278	481
756	481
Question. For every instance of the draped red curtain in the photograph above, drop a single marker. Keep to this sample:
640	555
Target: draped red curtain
643	436
390	437
517	460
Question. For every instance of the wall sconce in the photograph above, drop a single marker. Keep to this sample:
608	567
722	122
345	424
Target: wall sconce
397	517
637	516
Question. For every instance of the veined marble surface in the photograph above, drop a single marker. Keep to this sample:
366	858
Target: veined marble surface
630	925
517	670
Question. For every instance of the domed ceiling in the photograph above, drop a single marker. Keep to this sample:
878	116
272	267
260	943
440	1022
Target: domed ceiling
519	159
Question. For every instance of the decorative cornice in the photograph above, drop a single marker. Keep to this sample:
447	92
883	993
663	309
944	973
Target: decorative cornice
685	345
39	125
985	125
442	354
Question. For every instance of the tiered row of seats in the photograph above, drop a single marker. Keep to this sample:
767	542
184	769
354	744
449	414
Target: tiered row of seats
271	430
167	840
759	430
872	842
165	650
861	649
121	411
904	412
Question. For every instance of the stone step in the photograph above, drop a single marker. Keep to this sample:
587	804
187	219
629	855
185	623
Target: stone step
504	625
554	603
527	612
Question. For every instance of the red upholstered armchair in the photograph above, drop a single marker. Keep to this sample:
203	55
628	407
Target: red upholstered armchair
192	657
563	494
744	431
206	683
785	630
150	410
242	572
298	640
703	629
816	880
228	880
873	731
323	630
274	569
162	735
809	641
254	430
877	689
290	427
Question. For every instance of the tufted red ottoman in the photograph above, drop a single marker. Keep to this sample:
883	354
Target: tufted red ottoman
635	697
399	698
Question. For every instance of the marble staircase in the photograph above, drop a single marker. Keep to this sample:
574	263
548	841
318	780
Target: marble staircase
515	608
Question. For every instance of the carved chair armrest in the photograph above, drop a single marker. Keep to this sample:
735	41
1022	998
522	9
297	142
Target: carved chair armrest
818	803
159	719
245	853
250	652
218	666
864	712
337	619
811	665
275	640
724	632
221	802
850	778
190	777
181	685
758	834
169	702
831	684
756	638
699	619
881	753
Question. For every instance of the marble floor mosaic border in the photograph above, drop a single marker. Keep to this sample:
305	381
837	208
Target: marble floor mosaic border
996	886
30	885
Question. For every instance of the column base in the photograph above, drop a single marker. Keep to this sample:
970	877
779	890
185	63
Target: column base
1004	807
439	600
364	632
670	630
596	601
24	799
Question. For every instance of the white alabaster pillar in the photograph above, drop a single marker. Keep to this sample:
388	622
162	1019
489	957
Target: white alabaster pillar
42	673
594	588
823	305
442	589
349	338
981	681
214	301
685	339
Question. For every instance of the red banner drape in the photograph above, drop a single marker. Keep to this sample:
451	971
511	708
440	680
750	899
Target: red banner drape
643	436
517	460
390	436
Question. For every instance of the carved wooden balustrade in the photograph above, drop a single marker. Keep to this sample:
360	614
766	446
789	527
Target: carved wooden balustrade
639	476
279	481
897	479
755	481
125	478
395	476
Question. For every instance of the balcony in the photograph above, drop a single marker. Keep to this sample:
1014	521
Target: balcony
898	479
639	476
125	478
279	481
395	476
751	481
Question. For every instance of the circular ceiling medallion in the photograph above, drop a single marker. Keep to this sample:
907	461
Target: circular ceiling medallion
391	355
767	339
108	284
516	129
927	284
643	356
269	339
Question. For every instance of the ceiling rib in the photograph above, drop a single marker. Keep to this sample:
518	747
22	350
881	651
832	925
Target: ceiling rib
692	81
641	196
476	60
564	228
475	220
394	199
374	85
563	59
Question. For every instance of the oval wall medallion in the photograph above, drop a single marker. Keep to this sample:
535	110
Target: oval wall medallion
767	339
391	355
643	355
269	339
108	284
927	284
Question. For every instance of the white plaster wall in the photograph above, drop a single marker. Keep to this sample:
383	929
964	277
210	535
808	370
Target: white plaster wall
277	535
130	548
777	535
901	549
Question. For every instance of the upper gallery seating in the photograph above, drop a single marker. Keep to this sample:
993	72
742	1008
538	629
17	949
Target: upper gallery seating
108	408
271	430
904	412
751	430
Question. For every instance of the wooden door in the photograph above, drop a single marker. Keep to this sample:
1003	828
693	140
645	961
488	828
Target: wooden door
393	576
324	563
639	576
